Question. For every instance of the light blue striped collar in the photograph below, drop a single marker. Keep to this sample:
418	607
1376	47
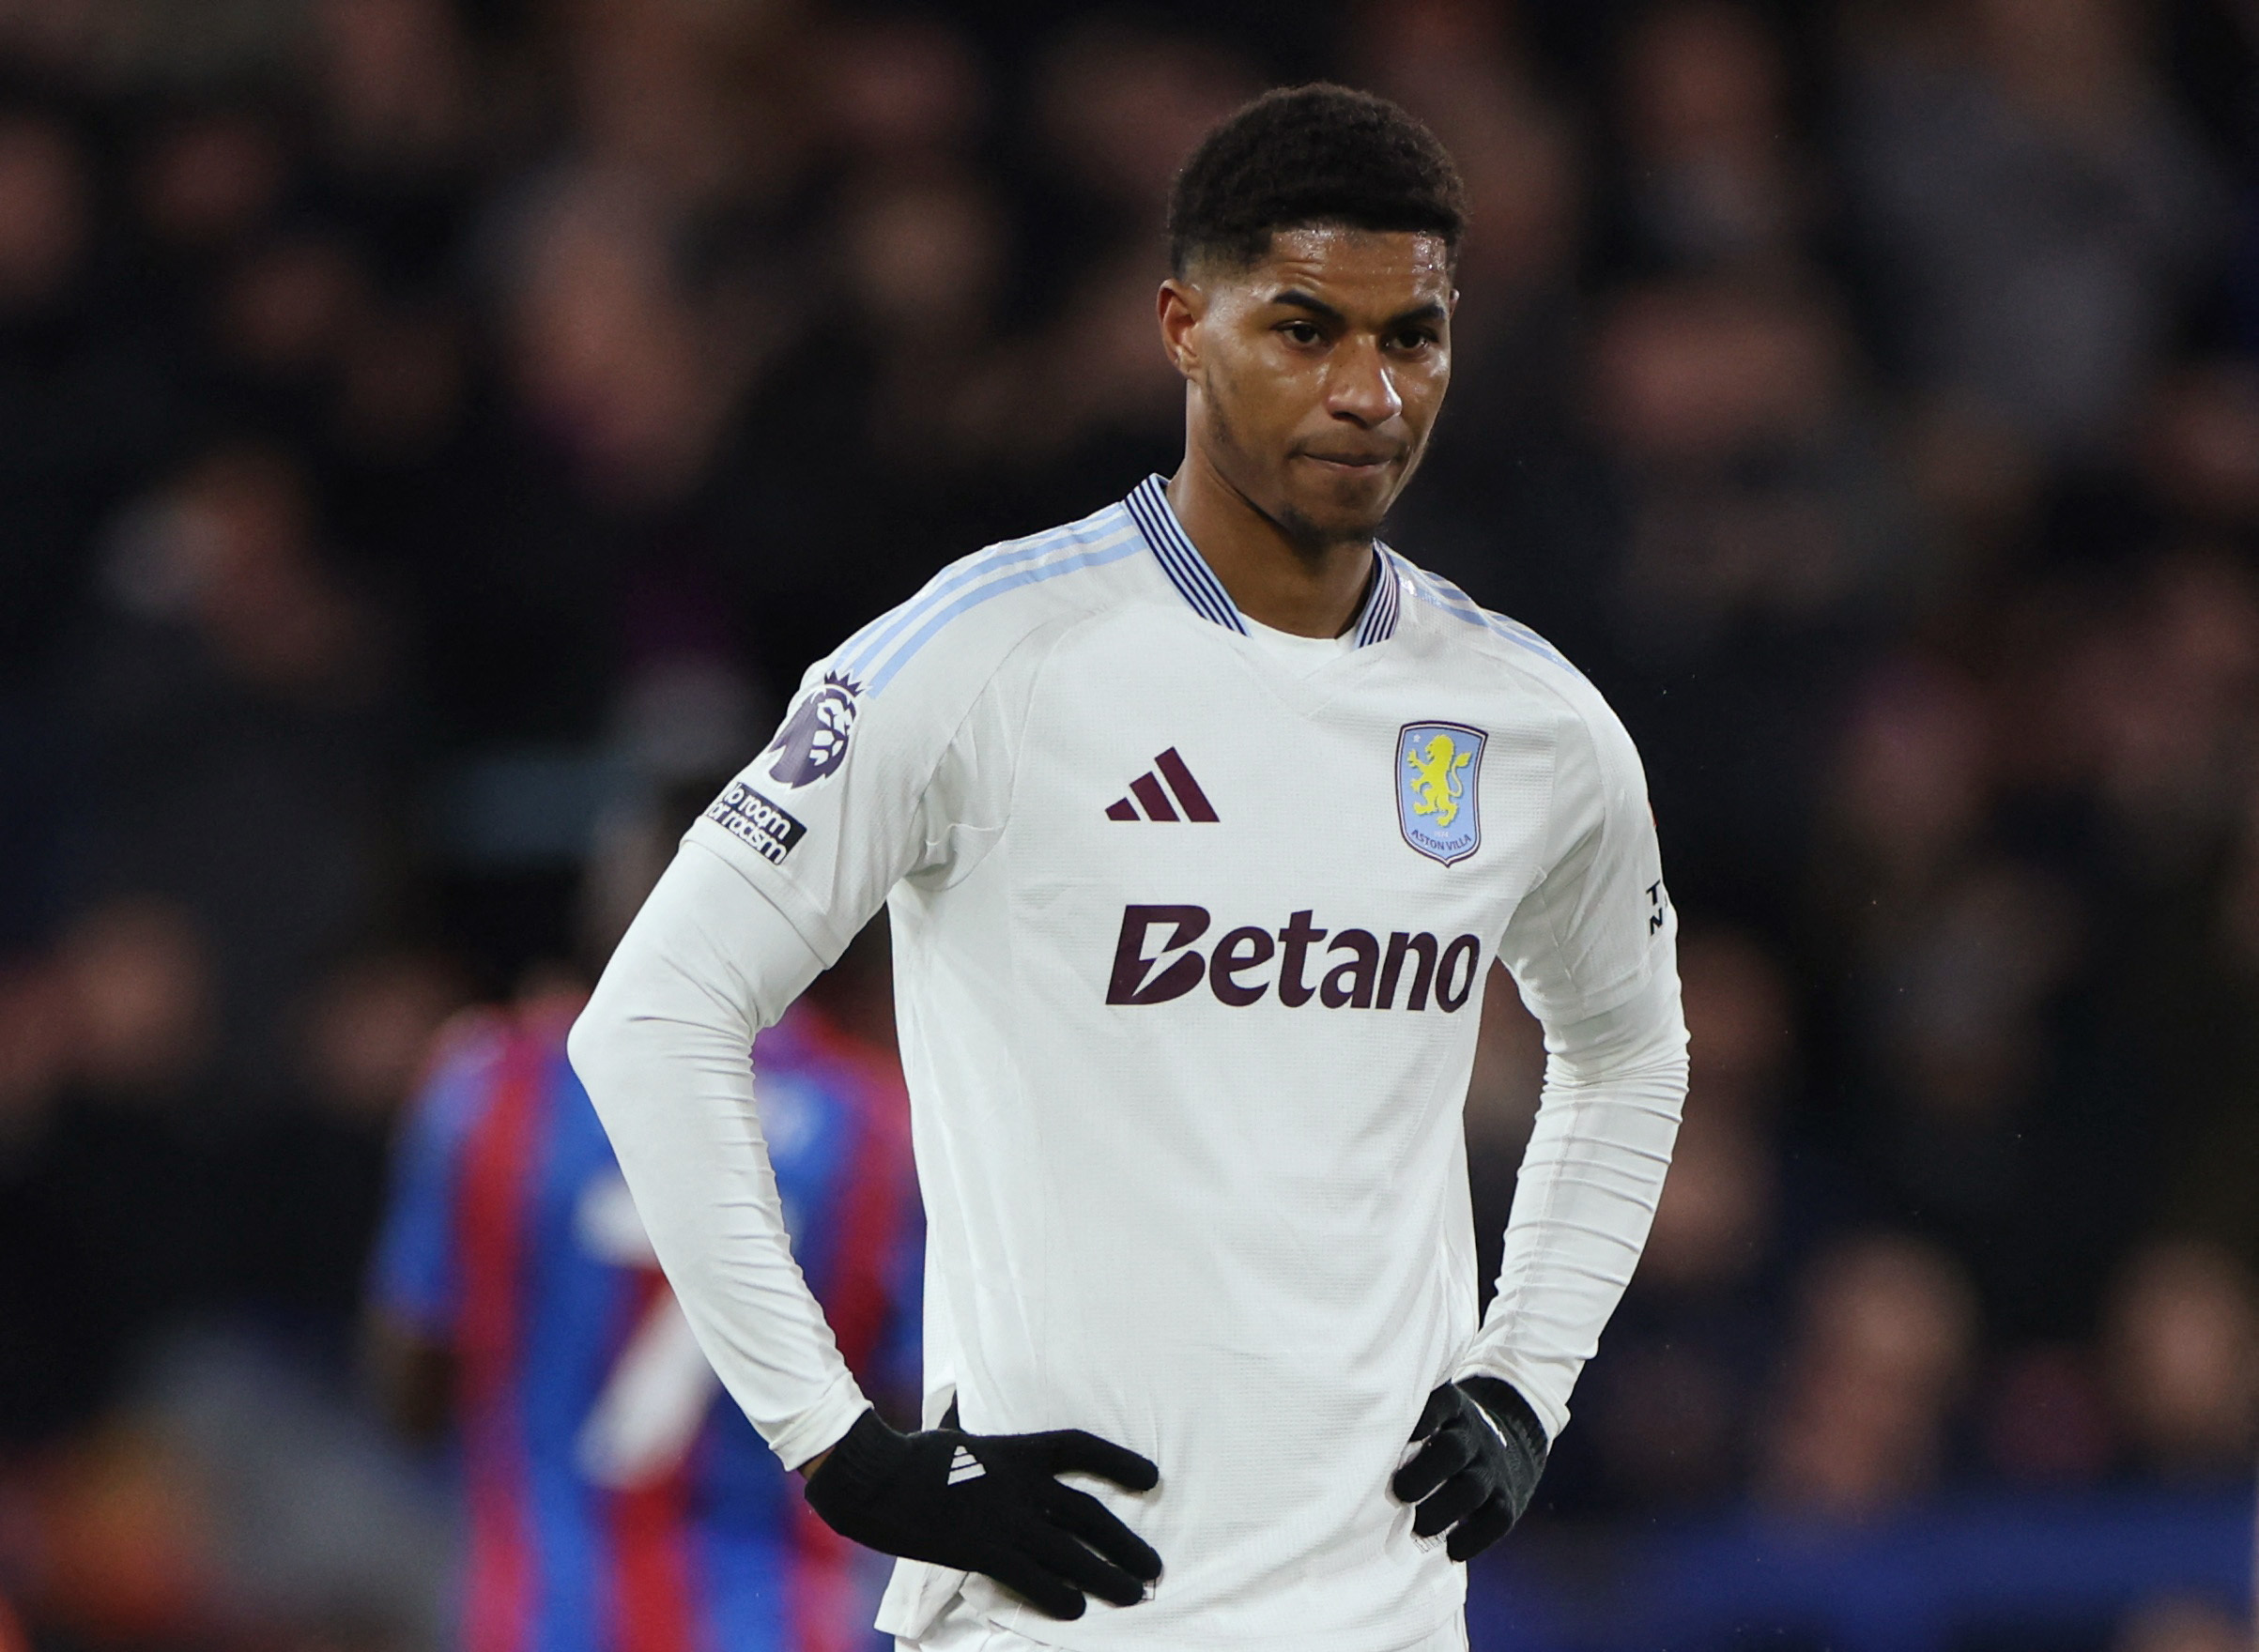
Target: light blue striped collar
1197	582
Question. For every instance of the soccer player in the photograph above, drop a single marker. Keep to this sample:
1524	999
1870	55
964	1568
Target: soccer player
1200	821
615	1505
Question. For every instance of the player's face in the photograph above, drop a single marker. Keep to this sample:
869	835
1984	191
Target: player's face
1316	373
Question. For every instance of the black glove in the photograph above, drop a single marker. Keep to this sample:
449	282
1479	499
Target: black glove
990	1503
1484	1451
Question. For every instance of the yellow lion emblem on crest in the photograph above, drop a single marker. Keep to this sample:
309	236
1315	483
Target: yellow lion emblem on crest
1438	784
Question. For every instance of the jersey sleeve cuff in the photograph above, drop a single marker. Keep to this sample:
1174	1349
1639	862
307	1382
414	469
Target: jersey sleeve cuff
812	926
824	1425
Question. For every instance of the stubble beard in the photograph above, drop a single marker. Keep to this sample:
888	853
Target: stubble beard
1310	538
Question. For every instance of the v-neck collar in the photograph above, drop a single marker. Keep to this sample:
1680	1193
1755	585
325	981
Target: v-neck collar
1197	582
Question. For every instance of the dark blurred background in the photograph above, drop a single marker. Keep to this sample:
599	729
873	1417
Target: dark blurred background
431	428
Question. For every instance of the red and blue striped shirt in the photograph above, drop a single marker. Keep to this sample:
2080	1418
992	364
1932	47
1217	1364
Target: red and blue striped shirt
618	1503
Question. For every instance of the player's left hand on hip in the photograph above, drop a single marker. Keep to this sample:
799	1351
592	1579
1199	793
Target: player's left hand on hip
1474	1475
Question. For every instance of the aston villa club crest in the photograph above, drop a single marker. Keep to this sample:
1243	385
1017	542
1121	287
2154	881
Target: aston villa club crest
1438	797
813	742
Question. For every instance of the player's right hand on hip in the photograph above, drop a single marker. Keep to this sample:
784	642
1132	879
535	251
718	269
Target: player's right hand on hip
991	1504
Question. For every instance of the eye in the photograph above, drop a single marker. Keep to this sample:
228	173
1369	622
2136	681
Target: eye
1415	338
1300	333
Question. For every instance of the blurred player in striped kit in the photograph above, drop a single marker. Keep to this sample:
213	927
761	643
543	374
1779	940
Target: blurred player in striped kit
617	1503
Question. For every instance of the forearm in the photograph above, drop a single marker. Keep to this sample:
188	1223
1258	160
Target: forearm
1587	1194
663	1048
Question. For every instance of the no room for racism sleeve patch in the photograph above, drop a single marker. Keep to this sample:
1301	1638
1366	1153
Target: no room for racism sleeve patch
768	829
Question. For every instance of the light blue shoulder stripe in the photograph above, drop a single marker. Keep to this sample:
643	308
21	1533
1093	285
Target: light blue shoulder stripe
1438	593
860	650
1111	548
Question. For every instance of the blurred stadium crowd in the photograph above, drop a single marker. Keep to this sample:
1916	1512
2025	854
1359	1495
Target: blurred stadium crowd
430	429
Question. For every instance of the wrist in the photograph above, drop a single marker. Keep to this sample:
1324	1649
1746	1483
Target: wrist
1510	1414
854	1467
815	1459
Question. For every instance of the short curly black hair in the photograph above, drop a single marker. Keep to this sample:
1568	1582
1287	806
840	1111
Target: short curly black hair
1319	154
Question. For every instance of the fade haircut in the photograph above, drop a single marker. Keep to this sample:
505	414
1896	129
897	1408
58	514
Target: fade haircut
1307	156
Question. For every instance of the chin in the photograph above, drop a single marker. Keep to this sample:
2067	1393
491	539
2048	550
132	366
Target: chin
1312	530
1349	509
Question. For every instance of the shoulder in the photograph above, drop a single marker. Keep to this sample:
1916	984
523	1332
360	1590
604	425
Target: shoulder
1497	651
979	610
461	1079
914	672
460	1071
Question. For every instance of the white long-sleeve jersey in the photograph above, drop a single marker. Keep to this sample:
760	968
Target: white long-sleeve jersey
1189	942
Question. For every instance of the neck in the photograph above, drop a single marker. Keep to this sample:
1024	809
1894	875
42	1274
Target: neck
1286	583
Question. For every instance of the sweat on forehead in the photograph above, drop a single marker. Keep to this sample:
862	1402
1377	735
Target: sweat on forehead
1308	157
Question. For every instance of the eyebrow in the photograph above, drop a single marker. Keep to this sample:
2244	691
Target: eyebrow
1295	298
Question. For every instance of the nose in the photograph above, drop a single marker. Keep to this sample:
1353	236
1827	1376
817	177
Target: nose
1360	388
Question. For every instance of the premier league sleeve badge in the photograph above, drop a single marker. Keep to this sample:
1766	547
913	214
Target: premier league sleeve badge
1439	795
813	742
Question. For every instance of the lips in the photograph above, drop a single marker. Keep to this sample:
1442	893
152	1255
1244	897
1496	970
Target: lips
1355	461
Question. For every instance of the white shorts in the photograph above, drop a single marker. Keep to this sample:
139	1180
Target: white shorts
959	1631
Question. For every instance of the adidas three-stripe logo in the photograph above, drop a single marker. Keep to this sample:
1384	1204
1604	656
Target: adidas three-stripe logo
1148	790
964	1466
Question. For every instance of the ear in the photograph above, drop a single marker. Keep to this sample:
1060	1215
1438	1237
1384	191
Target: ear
1179	307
